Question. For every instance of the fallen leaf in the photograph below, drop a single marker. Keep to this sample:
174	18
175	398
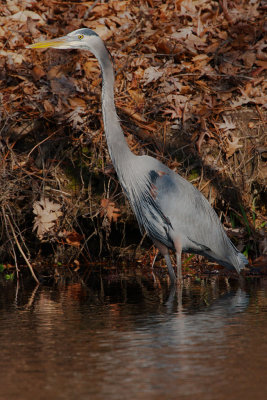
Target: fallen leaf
90	67
261	263
47	213
48	106
182	33
152	74
227	124
74	238
232	146
262	63
200	57
37	72
22	16
55	72
249	58
129	111
12	57
11	6
137	96
75	116
103	32
77	102
109	209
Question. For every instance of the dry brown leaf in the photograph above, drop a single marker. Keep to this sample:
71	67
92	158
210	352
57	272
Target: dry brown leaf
55	72
232	146
249	58
182	33
74	238
137	96
152	74
37	72
225	96
48	106
12	57
47	213
109	209
262	63
12	6
103	32
173	112
227	124
261	50
77	102
90	67
200	57
22	16
63	86
244	99
166	47
129	111
100	10
75	116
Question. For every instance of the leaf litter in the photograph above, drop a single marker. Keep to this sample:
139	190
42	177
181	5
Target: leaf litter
190	89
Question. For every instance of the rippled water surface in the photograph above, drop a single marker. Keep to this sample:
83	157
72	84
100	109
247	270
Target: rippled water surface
128	337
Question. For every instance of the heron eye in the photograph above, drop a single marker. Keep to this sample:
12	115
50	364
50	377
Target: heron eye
80	37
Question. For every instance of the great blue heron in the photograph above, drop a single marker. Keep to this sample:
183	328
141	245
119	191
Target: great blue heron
173	213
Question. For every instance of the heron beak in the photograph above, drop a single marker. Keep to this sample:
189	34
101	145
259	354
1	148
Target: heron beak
59	42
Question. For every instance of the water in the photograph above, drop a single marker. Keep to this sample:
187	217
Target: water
127	337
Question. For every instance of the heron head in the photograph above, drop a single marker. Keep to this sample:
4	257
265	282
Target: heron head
83	39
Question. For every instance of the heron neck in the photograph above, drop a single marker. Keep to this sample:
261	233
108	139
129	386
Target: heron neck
117	145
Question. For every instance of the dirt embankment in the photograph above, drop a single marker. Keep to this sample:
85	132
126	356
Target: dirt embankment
190	90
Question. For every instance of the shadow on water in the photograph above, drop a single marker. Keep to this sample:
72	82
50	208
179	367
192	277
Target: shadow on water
129	337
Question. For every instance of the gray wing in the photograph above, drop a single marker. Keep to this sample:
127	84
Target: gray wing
195	221
141	191
167	206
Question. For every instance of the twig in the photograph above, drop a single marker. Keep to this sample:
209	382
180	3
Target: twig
10	240
22	252
39	144
32	297
224	6
206	184
90	9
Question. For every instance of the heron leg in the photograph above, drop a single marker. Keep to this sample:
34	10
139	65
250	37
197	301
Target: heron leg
170	267
153	263
179	267
178	249
165	252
